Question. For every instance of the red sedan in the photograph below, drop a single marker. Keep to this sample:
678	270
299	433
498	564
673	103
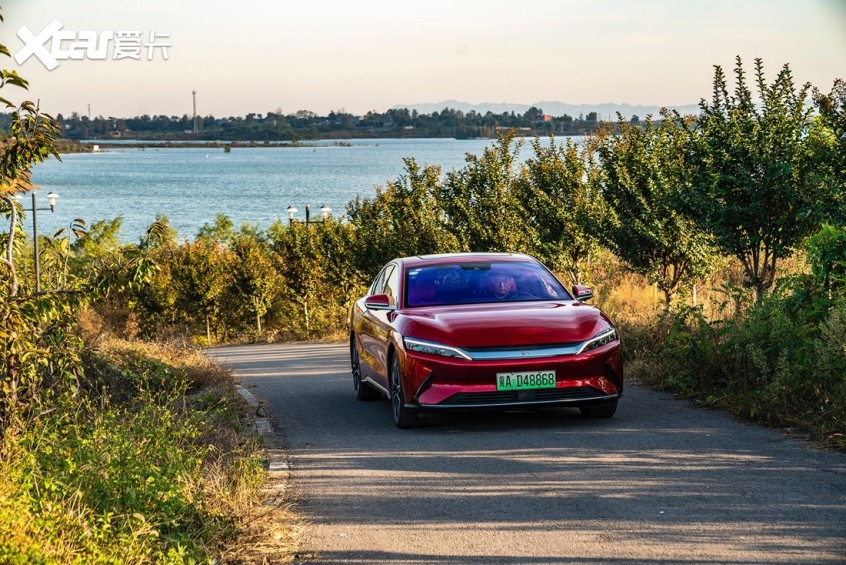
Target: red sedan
481	330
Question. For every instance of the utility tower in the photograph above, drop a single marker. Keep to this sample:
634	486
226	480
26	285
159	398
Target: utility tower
194	92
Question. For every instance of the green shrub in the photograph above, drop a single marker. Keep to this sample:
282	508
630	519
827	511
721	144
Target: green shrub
775	364
151	476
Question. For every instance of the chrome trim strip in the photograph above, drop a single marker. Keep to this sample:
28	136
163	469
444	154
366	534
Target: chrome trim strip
380	307
518	403
375	384
554	351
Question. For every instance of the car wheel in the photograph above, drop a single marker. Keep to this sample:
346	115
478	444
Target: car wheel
362	391
603	410
404	417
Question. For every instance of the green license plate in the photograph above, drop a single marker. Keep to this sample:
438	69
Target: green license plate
529	380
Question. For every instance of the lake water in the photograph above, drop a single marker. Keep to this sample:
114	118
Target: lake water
256	185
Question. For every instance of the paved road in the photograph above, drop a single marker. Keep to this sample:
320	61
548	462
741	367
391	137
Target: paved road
661	482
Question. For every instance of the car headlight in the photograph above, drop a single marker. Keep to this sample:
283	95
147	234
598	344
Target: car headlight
604	337
433	348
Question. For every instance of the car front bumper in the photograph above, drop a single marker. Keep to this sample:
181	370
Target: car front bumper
441	383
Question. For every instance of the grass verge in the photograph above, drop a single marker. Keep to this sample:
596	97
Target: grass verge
154	461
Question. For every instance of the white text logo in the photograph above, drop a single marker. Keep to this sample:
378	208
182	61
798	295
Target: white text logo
78	45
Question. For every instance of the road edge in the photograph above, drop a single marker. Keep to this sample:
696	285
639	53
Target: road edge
277	466
279	531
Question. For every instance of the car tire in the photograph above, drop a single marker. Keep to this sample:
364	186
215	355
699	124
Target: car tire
602	410
404	417
362	390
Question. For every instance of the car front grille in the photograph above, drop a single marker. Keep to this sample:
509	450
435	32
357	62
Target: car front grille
522	396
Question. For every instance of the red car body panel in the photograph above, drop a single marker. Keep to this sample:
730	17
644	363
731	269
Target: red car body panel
433	382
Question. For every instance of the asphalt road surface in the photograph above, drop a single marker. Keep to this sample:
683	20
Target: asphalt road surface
661	482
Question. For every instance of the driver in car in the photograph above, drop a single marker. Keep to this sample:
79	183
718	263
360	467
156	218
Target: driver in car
503	285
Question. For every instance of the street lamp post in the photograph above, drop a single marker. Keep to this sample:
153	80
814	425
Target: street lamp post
324	215
51	200
325	211
291	213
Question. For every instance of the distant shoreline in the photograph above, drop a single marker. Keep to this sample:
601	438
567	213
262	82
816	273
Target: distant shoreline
69	146
72	146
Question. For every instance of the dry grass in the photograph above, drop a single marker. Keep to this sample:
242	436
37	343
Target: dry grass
235	479
269	528
270	533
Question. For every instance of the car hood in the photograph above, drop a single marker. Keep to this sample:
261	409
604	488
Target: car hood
500	325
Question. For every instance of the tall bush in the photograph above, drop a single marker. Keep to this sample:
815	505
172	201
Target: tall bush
829	141
753	189
255	275
36	349
482	204
406	217
559	193
644	172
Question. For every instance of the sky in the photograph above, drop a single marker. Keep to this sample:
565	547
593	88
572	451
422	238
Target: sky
320	55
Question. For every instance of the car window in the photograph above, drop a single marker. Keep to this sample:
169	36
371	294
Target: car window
468	283
392	286
379	281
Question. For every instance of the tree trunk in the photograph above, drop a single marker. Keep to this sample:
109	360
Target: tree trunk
758	291
10	245
208	331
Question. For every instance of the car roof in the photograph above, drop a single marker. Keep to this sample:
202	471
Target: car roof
426	260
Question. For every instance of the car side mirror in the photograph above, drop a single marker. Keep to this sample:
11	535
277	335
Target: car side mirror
582	292
378	302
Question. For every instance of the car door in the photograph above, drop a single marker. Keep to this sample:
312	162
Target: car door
378	326
370	334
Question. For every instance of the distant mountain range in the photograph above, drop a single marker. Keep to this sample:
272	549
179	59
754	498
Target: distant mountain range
553	108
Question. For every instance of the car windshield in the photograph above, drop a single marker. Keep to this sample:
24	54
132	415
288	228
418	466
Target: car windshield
478	282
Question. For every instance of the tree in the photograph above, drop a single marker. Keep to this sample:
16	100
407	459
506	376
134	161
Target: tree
34	138
318	264
557	189
405	218
481	204
36	347
298	249
255	276
753	189
222	230
827	258
533	114
829	139
644	173
159	234
201	272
